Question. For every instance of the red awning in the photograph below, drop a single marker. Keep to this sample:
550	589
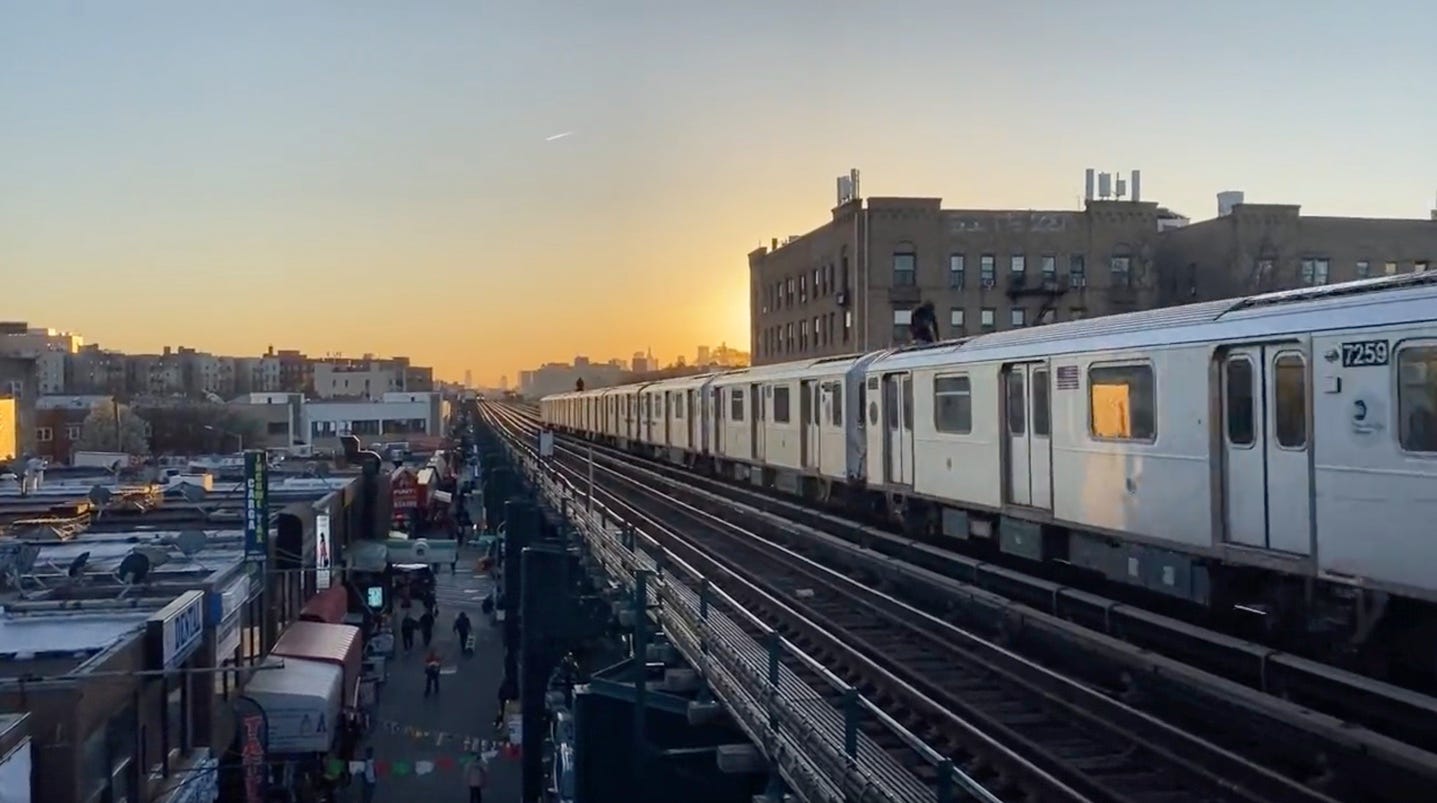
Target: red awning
327	607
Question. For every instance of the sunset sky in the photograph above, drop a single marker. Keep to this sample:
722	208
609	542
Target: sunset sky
375	176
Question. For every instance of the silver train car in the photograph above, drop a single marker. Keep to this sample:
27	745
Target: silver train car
1276	452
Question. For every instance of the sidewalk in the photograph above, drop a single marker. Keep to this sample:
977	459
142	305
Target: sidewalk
411	728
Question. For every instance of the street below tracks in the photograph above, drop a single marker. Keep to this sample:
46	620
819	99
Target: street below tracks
421	744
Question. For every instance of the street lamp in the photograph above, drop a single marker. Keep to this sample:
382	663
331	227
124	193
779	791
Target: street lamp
235	435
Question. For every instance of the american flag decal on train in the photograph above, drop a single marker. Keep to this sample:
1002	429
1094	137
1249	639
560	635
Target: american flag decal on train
1067	377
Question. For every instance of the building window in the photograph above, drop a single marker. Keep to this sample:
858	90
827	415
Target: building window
828	327
1045	316
780	405
901	319
1050	269
44	434
952	404
72	431
1265	268
1077	270
803	289
1018	317
905	265
847	325
955	320
1122	401
1017	263
1363	269
1417	398
789	301
986	270
1122	271
803	335
816	291
1314	271
987	317
955	271
1389	268
1420	266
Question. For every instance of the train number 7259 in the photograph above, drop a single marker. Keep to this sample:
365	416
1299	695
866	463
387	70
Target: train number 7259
1365	352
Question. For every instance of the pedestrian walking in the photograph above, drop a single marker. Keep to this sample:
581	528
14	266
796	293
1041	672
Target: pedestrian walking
368	778
462	626
406	630
431	673
477	776
426	627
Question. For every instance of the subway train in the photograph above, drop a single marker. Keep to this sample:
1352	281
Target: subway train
1274	454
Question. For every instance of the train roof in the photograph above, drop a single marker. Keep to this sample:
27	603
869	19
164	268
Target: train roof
1368	301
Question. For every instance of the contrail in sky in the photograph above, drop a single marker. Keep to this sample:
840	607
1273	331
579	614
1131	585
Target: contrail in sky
559	136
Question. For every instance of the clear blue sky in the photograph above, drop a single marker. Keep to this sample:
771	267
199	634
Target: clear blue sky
336	175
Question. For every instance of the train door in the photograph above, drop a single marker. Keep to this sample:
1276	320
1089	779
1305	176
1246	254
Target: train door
756	417
720	416
1267	482
695	418
1028	442
807	438
898	428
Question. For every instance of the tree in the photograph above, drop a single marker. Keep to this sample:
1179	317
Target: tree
197	428
97	433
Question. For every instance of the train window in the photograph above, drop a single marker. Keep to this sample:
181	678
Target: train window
1040	403
953	404
735	398
1290	411
1417	398
1017	414
890	402
1238	390
678	406
780	405
908	403
836	408
1122	402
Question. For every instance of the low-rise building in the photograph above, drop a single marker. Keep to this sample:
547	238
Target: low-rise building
417	418
279	417
59	423
19	383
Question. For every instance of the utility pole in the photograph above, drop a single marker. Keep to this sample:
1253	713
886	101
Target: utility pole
115	404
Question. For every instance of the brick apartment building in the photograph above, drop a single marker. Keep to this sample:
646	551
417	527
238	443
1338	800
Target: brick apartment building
851	284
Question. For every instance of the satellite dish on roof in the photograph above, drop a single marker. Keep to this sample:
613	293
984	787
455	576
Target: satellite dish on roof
134	568
25	558
100	496
192	493
77	566
191	542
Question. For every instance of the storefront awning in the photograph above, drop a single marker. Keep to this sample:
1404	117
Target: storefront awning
301	702
327	607
340	645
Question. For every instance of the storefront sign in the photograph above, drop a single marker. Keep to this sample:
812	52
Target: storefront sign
322	560
176	630
256	506
253	741
403	491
